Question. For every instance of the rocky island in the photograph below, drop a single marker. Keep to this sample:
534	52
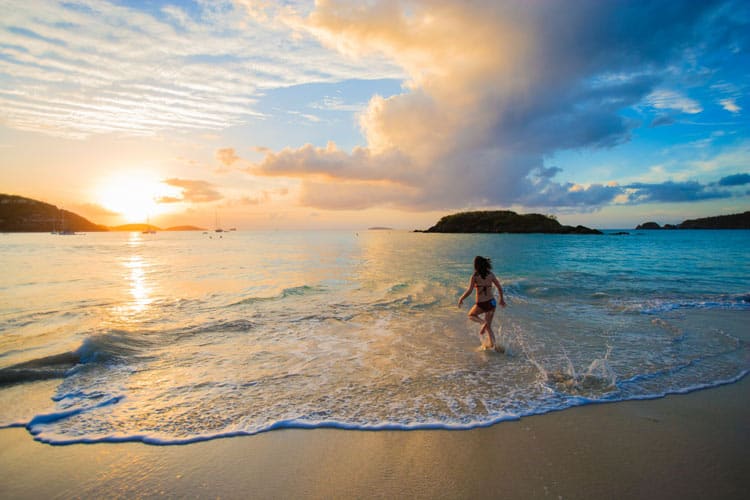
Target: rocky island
733	221
504	221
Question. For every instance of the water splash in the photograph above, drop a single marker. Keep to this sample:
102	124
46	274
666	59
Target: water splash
359	333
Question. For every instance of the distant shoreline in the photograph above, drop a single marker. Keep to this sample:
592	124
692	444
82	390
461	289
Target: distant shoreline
731	221
25	215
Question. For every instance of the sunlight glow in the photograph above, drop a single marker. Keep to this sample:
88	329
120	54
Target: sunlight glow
135	195
138	289
135	279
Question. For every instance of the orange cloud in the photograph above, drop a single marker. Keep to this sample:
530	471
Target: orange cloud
227	156
193	191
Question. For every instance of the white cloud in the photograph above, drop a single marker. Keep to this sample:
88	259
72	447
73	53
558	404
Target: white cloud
671	99
306	116
728	94
493	88
76	69
730	105
336	103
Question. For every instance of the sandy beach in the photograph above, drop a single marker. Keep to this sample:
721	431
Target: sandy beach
681	446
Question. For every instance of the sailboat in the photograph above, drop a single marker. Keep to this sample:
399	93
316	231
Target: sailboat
63	230
149	228
218	227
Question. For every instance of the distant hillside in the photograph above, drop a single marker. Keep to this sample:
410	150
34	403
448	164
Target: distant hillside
504	221
24	215
733	221
648	225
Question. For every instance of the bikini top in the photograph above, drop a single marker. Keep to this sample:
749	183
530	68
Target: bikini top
483	289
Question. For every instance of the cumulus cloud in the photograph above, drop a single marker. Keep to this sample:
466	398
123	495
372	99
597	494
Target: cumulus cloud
571	195
735	180
582	198
673	192
193	191
493	89
227	156
310	161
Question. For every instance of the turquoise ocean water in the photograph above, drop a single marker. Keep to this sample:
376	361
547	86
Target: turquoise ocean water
178	337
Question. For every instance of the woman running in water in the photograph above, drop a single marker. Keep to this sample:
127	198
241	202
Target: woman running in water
482	280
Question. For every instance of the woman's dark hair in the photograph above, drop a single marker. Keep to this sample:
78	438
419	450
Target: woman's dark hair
482	265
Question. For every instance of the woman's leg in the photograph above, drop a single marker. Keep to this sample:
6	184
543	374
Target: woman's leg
474	313
488	321
488	326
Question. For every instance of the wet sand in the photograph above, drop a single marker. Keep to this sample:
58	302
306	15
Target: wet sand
682	446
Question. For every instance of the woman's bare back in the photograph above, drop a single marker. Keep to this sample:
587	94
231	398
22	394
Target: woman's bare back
484	287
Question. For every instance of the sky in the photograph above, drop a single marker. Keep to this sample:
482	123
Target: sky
348	114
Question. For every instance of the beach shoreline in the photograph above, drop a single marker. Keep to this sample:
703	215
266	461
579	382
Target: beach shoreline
681	446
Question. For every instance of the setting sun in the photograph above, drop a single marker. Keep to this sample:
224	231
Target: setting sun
135	196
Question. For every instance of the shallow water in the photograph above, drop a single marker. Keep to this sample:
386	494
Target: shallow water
177	337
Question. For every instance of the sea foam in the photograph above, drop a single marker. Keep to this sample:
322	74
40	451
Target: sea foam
176	339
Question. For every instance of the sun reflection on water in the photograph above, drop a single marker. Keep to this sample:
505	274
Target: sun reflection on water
138	287
137	283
